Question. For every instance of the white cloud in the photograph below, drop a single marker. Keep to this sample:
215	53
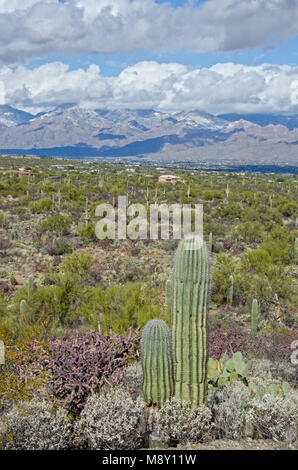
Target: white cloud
9	6
31	27
219	89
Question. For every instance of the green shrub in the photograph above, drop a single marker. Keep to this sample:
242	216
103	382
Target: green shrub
41	206
57	223
87	233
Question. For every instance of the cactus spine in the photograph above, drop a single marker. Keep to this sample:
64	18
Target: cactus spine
254	315
157	362
231	290
189	298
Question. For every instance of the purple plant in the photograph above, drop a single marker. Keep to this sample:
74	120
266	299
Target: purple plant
82	362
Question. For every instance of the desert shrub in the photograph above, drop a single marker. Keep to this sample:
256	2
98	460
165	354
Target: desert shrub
124	306
113	421
58	247
22	375
288	209
210	195
180	422
81	363
229	410
273	371
257	261
77	265
41	206
5	245
132	378
71	193
226	341
87	233
35	425
57	223
50	309
273	345
273	417
251	232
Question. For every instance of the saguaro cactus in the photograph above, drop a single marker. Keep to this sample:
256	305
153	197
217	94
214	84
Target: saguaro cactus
23	306
2	353
210	242
189	298
296	251
157	362
30	285
231	290
254	315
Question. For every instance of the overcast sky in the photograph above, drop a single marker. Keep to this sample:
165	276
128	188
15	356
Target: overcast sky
219	56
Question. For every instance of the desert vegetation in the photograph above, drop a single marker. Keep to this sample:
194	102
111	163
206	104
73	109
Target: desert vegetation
85	321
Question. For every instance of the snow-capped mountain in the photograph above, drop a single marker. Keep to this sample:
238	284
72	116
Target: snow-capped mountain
72	131
13	117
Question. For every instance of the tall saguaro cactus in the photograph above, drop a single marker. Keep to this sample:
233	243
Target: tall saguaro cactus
189	298
157	362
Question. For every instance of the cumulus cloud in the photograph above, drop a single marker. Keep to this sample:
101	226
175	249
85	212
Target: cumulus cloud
219	89
40	27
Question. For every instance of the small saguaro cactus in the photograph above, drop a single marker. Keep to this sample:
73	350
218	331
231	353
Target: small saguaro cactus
210	242
23	307
59	198
2	353
231	290
188	297
296	251
86	211
157	363
254	315
30	285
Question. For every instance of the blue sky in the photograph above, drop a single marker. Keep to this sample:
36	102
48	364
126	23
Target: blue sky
219	55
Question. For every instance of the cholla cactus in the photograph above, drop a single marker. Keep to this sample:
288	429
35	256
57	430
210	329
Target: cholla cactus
157	362
189	298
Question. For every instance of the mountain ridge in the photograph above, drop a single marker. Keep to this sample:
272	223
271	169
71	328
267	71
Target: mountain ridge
149	133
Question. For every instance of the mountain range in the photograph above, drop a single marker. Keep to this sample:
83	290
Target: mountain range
74	132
